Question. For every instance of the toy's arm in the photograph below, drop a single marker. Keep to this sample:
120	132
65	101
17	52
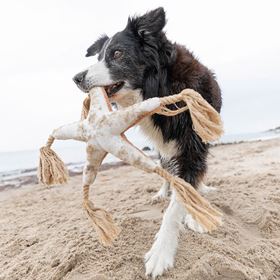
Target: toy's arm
93	162
123	119
73	131
121	148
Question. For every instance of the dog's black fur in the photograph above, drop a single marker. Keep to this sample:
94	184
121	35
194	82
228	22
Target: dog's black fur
148	61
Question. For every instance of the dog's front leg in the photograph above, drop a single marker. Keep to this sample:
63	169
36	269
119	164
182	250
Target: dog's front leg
162	194
161	255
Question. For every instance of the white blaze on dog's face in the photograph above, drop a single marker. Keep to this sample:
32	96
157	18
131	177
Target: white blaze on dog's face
99	73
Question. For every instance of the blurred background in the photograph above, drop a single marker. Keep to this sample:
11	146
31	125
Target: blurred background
43	44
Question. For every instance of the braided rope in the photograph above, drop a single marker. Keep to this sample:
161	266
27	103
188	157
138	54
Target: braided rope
86	192
164	174
86	198
172	99
50	141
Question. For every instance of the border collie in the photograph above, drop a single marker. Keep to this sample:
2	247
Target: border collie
139	63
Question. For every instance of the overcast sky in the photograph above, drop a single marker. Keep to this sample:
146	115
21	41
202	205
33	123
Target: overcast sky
43	44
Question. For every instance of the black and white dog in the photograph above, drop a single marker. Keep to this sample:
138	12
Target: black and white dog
139	63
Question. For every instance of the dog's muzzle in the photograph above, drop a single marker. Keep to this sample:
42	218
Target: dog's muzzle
80	77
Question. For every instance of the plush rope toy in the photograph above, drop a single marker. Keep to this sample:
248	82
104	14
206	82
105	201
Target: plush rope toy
103	131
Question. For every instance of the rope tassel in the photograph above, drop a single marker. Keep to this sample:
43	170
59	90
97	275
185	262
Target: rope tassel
52	170
102	220
201	210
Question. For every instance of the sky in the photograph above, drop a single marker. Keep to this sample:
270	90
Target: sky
43	44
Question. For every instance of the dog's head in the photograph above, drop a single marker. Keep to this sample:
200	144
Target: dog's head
133	59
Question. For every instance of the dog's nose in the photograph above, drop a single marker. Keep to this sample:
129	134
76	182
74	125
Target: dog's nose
80	77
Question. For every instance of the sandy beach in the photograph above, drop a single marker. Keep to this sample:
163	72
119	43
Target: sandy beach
45	233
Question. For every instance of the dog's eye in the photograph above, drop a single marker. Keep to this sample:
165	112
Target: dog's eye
117	54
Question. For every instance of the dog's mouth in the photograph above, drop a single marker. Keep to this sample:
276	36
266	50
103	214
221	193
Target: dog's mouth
113	88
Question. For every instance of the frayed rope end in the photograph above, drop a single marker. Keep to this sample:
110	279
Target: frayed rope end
51	169
103	223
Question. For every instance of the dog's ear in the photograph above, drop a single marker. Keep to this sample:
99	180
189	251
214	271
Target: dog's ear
96	47
150	23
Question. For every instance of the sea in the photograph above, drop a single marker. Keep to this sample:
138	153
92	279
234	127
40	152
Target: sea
20	167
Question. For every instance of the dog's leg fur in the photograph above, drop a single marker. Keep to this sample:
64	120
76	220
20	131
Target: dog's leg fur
161	255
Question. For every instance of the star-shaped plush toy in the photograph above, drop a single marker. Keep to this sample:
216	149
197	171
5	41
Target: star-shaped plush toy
103	131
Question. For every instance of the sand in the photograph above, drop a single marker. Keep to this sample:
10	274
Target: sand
46	235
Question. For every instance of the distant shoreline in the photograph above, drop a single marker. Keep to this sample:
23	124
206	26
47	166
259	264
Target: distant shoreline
28	176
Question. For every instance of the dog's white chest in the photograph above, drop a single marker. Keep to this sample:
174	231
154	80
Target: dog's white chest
166	149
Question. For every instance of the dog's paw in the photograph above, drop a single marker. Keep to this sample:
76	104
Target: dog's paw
157	261
203	189
192	224
159	196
